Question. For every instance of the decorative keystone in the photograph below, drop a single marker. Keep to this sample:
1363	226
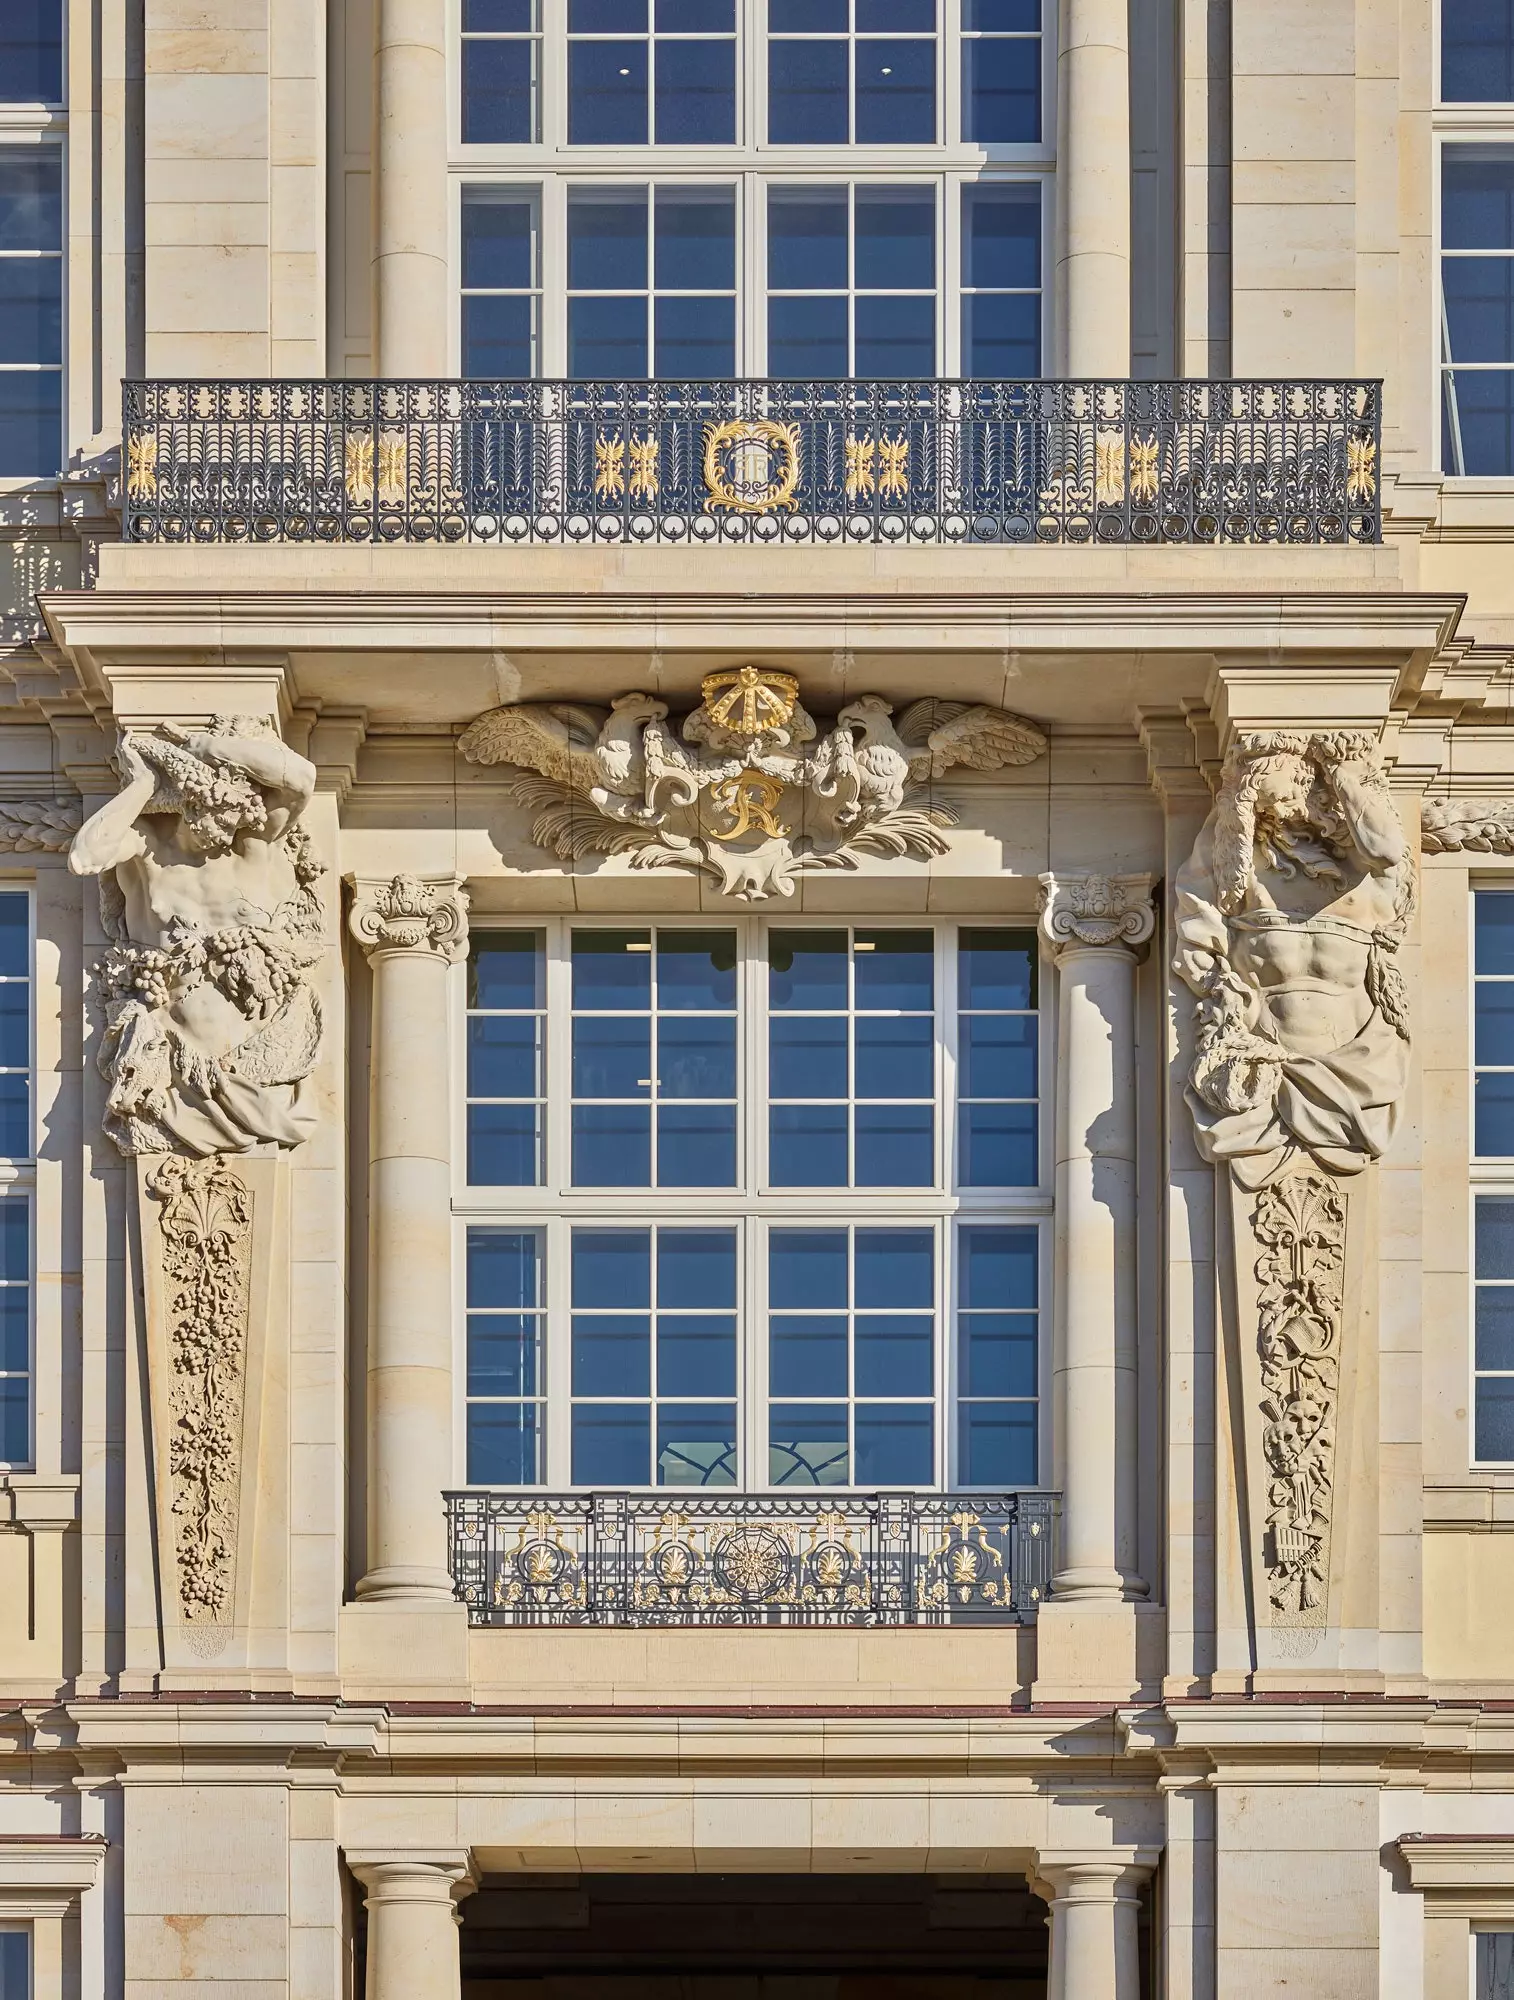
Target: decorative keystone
1091	909
412	913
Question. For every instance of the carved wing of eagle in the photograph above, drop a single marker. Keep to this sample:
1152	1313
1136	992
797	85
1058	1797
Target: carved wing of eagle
939	734
283	1049
557	738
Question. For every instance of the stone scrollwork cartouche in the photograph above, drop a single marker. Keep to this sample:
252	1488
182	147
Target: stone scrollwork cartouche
1096	910
409	914
1290	910
209	893
747	788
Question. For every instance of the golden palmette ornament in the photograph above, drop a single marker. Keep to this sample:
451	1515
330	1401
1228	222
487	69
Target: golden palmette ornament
750	701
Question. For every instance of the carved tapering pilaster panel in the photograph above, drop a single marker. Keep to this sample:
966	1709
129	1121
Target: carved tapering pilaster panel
411	913
1092	909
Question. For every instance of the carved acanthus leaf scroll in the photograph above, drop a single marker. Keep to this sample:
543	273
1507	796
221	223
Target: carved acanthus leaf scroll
205	1243
1484	826
39	826
746	789
1300	1225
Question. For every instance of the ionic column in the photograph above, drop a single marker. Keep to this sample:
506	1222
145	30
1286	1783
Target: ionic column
412	931
1095	1914
1095	925
410	283
1093	189
412	1922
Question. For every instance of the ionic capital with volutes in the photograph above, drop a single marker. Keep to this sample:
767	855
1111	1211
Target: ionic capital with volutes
1085	909
422	913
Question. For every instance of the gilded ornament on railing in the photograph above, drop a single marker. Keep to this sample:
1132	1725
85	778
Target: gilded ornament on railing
616	457
751	466
1361	468
877	465
1109	468
142	465
1145	469
358	468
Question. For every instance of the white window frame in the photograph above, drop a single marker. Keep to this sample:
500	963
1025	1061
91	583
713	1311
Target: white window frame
18	1177
1489	1174
22	130
753	1206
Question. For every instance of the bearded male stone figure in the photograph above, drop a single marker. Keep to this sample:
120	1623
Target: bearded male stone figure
1290	909
207	886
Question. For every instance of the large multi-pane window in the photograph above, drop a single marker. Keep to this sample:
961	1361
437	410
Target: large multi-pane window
651	281
754	1203
659	72
851	281
31	310
501	273
16	1155
501	71
1477	309
851	72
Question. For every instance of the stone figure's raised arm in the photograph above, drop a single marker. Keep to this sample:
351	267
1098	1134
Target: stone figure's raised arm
282	773
111	835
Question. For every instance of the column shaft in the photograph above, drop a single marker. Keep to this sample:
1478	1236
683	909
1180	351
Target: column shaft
410	188
1093	189
1095	1927
412	1924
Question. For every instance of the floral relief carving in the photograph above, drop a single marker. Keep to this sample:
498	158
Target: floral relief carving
1290	911
209	891
205	1243
1300	1225
1485	826
747	788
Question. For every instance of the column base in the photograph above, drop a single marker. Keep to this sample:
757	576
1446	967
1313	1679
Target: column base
406	1583
1099	1651
1091	1585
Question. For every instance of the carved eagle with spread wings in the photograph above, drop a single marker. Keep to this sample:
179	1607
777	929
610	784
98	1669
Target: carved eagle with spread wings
878	757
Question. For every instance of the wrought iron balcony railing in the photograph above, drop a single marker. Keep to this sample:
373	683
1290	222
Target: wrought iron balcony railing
782	462
698	1558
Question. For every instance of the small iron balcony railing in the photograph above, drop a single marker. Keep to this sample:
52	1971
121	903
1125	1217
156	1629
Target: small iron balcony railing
674	1558
780	462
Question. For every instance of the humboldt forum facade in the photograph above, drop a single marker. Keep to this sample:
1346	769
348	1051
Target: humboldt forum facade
756	999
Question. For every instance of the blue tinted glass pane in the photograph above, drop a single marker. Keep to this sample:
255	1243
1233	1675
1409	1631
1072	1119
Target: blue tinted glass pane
502	1358
31	200
895	1145
497	107
998	1145
1495	1417
895	1445
612	1268
607	94
1485	418
998	1355
696	93
808	17
1479	295
31	72
696	1056
696	1267
696	1145
505	969
696	969
807	1445
15	1421
807	1056
696	1355
693	17
894	1268
806	1357
607	339
504	1145
1001	336
882	17
15	1331
1002	16
807	1145
896	338
807	339
502	1444
896	93
1495	1965
607	245
502	1269
1494	1115
996	1055
807	93
1001	91
612	1445
500	17
499	341
1477	200
996	969
31	423
607	17
896	969
15	1965
1001	246
15	1025
15	1238
502	1053
807	1270
608	972
895	1354
1477	54
997	1444
31	309
612	1055
1495	1022
1495	1238
807	969
612	1354
1494	911
1495	1326
15	1118
499	247
896	1056
807	242
997	1270
612	1145
696	338
896	239
696	1444
15	935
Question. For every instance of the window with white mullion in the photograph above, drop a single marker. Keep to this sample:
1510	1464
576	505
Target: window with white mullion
501	72
659	72
852	72
1476	309
31	310
16	1156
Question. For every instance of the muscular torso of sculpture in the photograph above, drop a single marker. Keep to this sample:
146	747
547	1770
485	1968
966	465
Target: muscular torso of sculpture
207	886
